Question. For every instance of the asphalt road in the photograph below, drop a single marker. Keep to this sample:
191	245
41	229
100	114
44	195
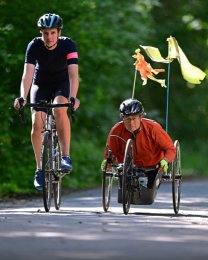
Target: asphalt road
81	230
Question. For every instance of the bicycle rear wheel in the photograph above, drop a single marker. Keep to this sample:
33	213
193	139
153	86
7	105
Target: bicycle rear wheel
176	178
127	177
107	183
57	181
47	170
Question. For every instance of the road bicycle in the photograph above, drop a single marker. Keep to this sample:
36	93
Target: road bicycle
50	152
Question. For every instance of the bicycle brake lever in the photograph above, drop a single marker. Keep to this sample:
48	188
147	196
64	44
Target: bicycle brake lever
72	111
21	109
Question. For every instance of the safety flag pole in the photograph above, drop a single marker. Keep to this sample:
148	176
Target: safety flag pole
167	98
135	75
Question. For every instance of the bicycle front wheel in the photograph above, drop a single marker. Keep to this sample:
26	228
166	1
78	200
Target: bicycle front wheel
47	170
57	181
127	177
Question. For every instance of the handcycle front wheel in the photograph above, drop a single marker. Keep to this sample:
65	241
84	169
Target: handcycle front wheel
57	178
176	178
47	168
127	177
107	183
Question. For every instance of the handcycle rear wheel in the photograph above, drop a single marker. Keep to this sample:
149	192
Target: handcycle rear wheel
127	177
107	183
176	178
47	168
57	181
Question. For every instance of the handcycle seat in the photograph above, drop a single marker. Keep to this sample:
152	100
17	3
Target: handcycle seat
143	195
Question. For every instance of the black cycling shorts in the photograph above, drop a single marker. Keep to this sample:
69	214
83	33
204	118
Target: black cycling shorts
42	92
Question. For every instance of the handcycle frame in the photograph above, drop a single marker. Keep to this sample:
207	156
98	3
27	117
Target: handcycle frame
130	179
50	152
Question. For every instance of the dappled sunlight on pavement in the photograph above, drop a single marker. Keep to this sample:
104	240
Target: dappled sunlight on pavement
82	230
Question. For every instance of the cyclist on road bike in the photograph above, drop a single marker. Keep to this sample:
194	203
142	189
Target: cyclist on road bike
50	73
153	147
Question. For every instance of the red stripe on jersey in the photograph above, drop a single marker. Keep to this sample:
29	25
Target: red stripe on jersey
72	55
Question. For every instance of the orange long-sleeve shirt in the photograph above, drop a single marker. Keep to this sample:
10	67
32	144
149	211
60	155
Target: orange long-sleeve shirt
151	143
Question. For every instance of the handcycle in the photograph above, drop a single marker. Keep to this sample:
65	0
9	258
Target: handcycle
133	180
50	152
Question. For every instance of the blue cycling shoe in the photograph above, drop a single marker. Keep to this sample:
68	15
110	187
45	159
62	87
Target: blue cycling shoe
66	164
38	181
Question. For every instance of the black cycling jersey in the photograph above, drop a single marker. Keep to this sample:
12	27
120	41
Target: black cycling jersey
51	65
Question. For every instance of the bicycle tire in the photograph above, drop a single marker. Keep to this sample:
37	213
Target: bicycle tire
47	171
127	177
57	180
176	178
107	183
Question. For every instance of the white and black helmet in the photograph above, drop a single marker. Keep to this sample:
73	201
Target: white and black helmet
131	106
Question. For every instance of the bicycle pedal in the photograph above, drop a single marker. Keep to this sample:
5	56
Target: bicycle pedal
65	172
166	176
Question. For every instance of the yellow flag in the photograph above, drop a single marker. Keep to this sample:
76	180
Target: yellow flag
154	54
191	73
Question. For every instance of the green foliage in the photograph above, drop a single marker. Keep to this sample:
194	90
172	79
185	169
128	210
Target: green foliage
87	156
107	33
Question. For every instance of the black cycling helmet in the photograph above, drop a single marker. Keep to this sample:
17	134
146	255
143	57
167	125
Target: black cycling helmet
49	21
131	106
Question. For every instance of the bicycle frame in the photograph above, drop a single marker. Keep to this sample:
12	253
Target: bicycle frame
50	127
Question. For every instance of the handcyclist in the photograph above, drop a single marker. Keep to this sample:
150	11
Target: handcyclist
50	73
153	147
